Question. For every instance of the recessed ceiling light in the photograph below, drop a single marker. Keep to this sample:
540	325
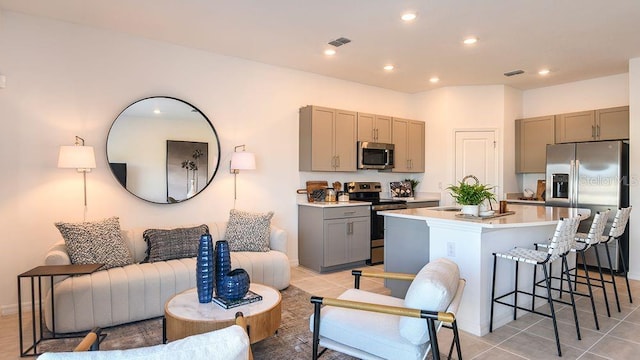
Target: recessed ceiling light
157	111
408	16
388	67
434	79
544	72
470	40
329	52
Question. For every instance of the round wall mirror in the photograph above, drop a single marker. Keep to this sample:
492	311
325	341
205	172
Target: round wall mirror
163	150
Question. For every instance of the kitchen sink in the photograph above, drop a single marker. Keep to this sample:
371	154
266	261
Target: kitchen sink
446	208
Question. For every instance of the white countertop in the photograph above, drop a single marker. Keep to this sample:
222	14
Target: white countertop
525	215
416	199
334	204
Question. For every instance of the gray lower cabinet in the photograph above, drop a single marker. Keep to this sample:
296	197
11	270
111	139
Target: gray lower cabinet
333	238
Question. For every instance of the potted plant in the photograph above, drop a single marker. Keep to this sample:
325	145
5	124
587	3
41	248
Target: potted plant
470	196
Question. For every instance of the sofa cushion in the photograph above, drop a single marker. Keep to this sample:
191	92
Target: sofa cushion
97	242
170	244
433	288
248	231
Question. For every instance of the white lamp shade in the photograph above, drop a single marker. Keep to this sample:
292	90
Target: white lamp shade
243	161
76	157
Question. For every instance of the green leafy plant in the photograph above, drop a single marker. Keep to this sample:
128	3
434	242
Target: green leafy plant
471	194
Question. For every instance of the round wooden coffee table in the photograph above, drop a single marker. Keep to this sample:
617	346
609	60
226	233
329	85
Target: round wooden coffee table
185	316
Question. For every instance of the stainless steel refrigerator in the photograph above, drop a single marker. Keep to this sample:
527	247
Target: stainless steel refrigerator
592	175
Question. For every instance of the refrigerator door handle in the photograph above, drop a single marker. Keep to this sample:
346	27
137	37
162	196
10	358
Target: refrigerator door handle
576	182
572	167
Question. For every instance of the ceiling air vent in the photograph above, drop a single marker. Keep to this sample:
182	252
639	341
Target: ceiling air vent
514	72
339	41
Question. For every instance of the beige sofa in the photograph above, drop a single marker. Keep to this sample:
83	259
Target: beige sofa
139	291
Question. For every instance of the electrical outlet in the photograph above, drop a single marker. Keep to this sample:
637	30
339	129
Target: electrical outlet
451	249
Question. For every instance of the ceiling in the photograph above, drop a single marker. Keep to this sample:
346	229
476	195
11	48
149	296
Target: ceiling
575	39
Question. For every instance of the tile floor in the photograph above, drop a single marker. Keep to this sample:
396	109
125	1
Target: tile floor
529	337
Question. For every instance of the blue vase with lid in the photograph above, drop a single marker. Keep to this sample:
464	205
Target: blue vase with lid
205	270
222	264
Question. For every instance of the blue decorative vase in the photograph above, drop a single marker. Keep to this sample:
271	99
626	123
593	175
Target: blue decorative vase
234	286
205	271
223	264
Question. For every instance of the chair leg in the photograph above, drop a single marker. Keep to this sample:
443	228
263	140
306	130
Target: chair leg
316	329
515	295
613	276
586	272
624	269
456	339
573	301
604	289
547	282
493	292
433	338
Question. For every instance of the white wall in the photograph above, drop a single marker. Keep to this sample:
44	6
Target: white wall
65	80
590	94
466	107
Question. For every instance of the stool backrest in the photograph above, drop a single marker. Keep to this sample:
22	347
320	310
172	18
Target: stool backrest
620	222
564	236
596	231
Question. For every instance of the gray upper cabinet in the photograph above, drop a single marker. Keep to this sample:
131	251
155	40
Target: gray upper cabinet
613	123
532	137
327	139
374	128
408	137
593	125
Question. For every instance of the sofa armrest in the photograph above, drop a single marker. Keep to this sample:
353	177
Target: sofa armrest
278	239
57	255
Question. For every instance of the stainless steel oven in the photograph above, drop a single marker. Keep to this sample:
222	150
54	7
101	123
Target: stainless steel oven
370	191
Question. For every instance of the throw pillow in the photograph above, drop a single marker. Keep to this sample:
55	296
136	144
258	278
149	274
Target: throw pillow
248	231
97	242
433	288
170	244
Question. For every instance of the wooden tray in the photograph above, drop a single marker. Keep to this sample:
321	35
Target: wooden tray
315	185
480	218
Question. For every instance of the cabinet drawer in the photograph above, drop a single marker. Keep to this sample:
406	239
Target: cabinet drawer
346	212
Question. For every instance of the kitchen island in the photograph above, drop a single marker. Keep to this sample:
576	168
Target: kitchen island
415	236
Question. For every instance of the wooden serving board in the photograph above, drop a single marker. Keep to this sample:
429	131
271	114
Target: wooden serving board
313	186
480	218
540	190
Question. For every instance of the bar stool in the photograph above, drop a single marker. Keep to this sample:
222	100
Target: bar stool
583	242
618	227
559	247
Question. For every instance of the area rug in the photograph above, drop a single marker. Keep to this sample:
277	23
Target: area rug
292	341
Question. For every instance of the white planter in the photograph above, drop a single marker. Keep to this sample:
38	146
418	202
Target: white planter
470	209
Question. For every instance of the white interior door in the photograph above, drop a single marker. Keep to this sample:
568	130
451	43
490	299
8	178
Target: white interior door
476	155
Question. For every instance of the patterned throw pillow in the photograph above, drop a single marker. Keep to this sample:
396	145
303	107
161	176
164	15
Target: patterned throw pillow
173	244
248	231
97	242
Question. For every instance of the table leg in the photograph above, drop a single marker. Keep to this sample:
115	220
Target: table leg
20	316
53	310
33	316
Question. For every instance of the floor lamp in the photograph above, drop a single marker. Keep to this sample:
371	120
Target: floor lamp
240	160
79	157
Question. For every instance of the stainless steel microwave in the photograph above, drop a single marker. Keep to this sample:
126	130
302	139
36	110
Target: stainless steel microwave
375	155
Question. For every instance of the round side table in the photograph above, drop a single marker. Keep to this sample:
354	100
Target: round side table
185	316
